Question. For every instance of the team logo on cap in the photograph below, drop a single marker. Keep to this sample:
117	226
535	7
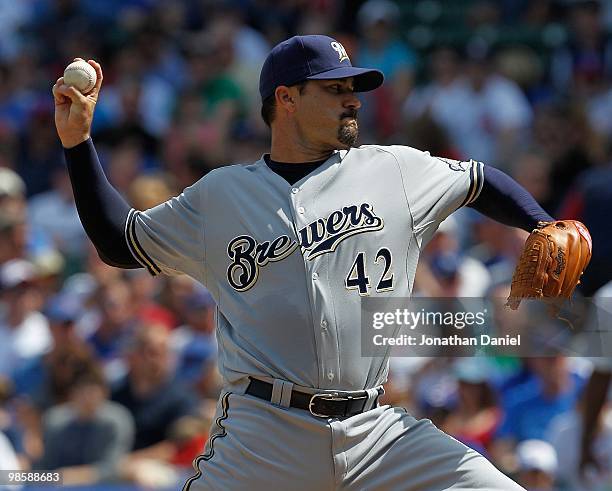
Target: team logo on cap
338	48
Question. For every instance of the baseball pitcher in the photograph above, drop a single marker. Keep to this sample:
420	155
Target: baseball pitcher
288	245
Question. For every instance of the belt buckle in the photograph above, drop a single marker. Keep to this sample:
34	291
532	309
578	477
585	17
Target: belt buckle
330	396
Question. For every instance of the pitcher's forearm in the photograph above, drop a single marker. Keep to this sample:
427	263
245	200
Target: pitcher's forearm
102	210
506	201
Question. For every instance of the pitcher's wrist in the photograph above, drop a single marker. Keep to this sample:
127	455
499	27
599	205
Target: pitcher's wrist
72	142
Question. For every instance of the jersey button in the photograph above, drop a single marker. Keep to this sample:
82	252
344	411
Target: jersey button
294	190
301	210
330	375
315	276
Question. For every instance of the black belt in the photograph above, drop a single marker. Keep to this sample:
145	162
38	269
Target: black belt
322	405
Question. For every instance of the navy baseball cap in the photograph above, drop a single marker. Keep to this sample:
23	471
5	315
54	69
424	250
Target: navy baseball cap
312	57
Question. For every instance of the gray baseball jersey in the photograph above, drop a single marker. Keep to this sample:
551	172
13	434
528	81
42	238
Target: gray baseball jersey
287	265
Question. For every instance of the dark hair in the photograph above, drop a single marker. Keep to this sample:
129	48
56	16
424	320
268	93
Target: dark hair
267	110
90	375
268	106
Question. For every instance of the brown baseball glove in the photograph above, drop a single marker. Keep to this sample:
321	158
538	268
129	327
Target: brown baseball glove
552	262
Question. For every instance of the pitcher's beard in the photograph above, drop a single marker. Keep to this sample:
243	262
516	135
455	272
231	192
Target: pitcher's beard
349	133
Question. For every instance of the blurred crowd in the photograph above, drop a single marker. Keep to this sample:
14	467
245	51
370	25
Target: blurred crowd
110	375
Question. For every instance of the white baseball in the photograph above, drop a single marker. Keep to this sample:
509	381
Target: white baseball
80	75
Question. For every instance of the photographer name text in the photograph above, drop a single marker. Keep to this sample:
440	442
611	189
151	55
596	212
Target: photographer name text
454	340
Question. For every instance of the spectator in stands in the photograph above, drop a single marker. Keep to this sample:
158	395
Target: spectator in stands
144	290
537	465
85	437
154	61
150	190
168	465
583	437
18	238
495	114
126	162
12	192
532	171
507	371
194	342
16	100
500	113
45	380
497	247
149	390
562	132
174	294
445	271
8	458
10	425
116	322
530	408
555	391
220	97
24	331
41	155
590	200
381	47
581	65
428	135
434	100
12	17
137	107
13	236
476	415
192	141
13	220
53	213
102	274
249	47
194	345
566	434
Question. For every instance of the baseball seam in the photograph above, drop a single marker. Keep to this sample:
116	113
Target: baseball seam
90	82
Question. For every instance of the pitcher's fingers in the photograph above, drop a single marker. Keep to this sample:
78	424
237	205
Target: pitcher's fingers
73	94
99	76
59	98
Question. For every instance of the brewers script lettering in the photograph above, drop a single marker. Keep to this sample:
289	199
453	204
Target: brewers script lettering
318	237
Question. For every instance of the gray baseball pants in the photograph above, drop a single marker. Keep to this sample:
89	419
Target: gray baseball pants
255	445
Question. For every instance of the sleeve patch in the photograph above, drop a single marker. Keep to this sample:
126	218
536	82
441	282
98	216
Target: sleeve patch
455	165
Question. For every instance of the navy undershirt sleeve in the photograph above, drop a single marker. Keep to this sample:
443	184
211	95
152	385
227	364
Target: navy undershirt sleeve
102	210
506	201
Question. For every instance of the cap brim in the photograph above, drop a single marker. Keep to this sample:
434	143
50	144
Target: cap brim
365	79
